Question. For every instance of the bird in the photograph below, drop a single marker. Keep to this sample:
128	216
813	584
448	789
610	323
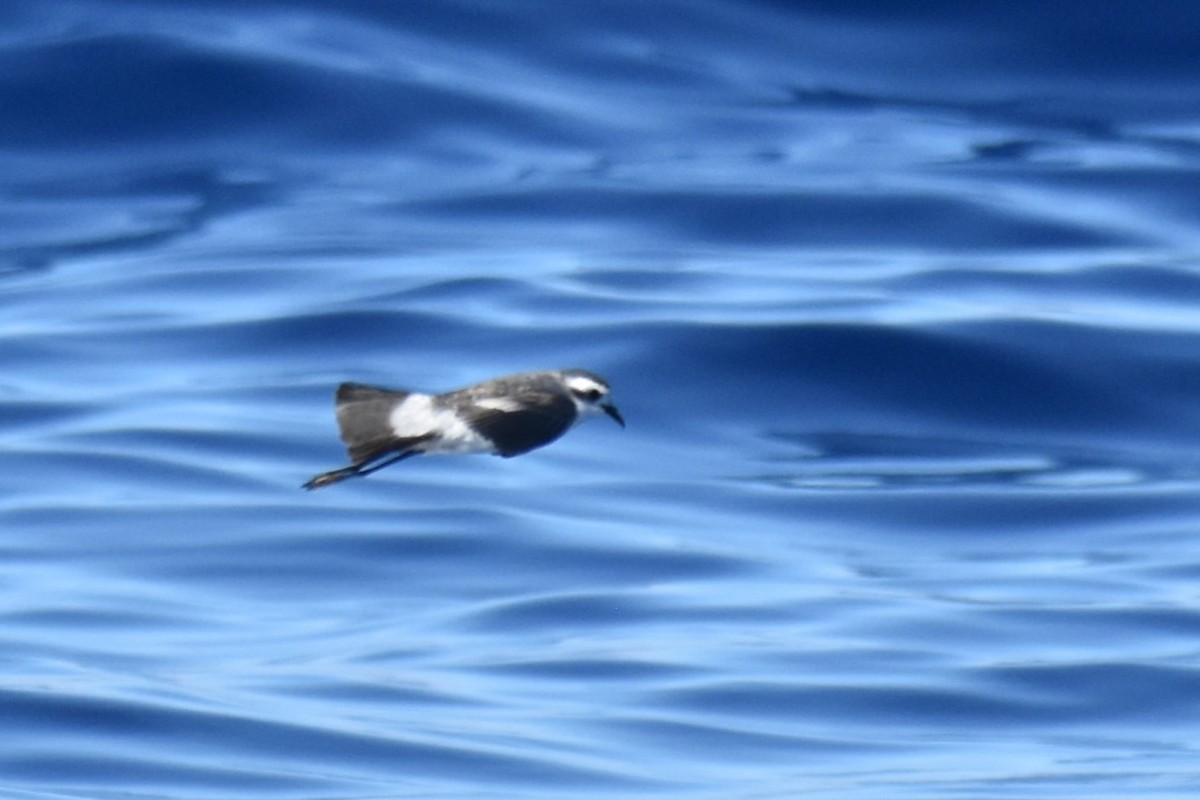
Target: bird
504	416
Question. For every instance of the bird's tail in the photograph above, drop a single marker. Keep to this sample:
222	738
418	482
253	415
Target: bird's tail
363	415
364	418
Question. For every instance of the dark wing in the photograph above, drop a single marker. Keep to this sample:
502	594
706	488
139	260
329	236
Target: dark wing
537	418
364	418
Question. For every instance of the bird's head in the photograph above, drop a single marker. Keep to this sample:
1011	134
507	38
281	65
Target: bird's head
591	394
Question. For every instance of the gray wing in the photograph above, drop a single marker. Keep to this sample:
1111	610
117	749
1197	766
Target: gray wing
536	418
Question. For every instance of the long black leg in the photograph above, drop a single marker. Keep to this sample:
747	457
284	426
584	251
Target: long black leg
387	463
354	471
327	478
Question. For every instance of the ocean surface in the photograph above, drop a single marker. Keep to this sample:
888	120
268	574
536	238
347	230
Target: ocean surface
900	301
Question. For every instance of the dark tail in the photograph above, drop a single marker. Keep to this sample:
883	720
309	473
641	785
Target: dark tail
364	419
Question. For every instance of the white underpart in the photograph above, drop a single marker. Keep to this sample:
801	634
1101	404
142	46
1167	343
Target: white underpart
418	416
583	410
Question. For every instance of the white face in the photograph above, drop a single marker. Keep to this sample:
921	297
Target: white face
586	391
591	397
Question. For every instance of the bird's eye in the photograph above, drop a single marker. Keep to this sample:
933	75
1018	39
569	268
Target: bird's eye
591	395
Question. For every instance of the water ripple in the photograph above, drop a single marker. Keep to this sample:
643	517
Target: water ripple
904	333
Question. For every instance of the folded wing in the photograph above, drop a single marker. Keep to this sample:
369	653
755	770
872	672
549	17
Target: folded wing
522	422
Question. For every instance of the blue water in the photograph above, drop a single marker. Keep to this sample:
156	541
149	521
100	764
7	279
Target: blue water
901	303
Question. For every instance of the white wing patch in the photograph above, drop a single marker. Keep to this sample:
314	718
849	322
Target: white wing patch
503	404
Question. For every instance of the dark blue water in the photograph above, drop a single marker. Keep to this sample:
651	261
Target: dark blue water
901	303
